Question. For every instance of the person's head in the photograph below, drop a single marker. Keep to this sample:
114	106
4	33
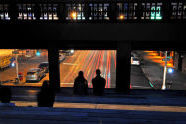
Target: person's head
80	74
98	72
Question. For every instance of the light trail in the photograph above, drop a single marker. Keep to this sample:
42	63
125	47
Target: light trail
88	61
72	71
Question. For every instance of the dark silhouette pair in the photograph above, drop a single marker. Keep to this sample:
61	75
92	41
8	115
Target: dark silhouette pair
81	84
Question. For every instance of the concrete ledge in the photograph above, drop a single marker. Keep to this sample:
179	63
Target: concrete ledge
7	104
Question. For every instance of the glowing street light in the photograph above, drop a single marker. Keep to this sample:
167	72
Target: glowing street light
121	17
170	70
73	15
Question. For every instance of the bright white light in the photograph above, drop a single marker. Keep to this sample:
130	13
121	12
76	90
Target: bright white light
170	70
72	51
38	53
13	64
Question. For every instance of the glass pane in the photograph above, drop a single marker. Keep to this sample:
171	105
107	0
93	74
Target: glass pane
158	70
73	61
30	66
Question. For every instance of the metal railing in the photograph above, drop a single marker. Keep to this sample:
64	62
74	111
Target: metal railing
93	11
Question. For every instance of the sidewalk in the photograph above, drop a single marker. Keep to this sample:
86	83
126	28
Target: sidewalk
154	73
137	107
109	109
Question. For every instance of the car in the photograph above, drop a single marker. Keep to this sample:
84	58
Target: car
61	57
68	52
135	61
35	74
44	66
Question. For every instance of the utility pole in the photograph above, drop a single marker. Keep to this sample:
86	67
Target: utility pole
165	72
17	65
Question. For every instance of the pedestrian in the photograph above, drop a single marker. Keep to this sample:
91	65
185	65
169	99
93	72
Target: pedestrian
98	84
46	96
80	85
20	74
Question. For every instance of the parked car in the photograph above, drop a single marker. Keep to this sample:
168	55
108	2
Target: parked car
44	66
61	57
135	61
35	74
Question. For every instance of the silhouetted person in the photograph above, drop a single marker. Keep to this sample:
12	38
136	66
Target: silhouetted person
80	85
46	96
98	84
5	94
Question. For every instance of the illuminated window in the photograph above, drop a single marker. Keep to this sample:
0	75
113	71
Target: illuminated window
132	10
99	11
26	12
4	12
122	9
151	11
48	12
178	10
156	13
75	12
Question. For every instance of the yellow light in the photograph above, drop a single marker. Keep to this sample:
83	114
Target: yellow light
73	15
121	17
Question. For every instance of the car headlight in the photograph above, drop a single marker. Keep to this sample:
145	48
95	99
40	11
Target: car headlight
72	51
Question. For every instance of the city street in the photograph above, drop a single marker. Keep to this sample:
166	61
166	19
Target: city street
153	68
88	61
138	79
25	64
85	60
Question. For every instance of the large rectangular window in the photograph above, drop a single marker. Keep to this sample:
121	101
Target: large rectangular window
23	67
160	70
73	61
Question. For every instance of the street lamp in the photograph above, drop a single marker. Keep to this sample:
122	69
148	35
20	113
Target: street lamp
170	70
165	72
16	52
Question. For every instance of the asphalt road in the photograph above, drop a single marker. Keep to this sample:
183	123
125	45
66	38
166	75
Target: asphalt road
85	60
138	79
23	66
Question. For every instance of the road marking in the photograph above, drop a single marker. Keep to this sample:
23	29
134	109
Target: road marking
141	87
70	64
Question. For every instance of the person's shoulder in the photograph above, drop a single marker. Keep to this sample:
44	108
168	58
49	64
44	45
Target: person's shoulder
93	78
76	79
103	78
